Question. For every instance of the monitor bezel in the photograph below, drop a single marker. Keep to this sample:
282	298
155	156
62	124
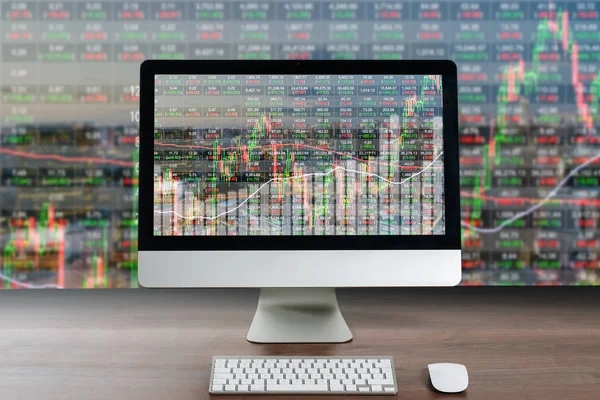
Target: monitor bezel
148	241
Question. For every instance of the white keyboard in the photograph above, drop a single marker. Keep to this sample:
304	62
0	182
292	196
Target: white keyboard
303	375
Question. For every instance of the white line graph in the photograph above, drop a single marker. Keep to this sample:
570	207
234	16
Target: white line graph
28	285
547	198
300	177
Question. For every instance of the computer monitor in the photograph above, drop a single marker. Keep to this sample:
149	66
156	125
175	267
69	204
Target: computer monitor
298	177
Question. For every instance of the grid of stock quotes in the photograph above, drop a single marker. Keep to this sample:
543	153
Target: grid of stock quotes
528	103
298	155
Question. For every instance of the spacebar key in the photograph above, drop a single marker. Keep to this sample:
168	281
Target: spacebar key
297	388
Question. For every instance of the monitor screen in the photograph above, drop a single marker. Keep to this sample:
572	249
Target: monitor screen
298	155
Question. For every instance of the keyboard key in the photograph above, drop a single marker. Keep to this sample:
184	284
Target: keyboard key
380	381
363	388
296	388
257	388
217	388
230	388
336	388
219	381
222	371
243	388
376	388
389	389
351	388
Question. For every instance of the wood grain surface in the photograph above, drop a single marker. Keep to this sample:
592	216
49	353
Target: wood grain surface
517	343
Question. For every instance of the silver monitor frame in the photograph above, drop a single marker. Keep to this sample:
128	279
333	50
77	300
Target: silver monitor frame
305	268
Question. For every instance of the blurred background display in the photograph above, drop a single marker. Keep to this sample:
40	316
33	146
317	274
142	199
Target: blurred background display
528	94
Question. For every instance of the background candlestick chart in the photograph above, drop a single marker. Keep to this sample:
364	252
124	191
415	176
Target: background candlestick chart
529	86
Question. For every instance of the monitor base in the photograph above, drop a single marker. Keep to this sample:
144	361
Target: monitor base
298	315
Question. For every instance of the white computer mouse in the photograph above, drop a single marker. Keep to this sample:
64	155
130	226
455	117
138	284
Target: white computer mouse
449	377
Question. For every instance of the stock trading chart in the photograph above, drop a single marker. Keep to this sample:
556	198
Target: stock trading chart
528	104
299	155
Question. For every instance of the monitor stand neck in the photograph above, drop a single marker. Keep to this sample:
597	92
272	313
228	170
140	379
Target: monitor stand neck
298	315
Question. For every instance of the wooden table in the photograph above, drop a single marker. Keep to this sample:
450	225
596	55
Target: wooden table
518	343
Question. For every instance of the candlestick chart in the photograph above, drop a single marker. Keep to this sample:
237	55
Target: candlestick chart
528	111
